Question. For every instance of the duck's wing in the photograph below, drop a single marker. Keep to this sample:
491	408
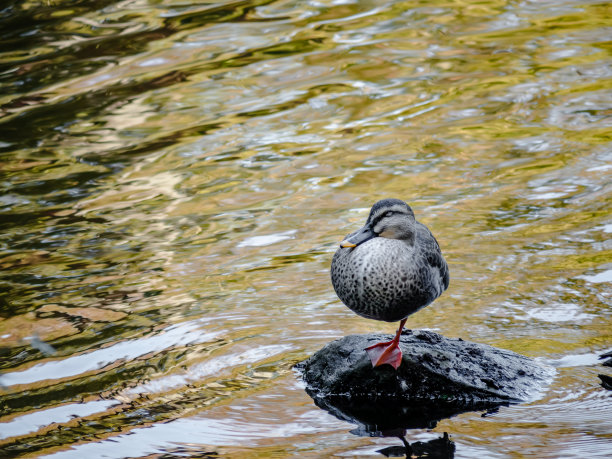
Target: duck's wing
431	250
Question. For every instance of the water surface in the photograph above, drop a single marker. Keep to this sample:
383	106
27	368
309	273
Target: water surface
175	177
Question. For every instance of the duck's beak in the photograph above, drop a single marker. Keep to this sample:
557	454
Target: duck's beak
358	237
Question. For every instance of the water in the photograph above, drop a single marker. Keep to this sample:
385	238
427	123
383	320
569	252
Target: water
175	178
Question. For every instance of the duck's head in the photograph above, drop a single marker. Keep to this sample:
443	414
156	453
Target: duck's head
390	218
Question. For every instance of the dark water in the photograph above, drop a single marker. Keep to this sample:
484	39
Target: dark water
174	179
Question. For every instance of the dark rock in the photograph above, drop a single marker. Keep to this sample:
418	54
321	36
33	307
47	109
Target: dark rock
438	378
433	368
608	356
606	381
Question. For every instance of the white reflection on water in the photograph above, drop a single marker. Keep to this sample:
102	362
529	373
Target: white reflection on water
259	241
578	360
604	276
557	312
177	335
202	431
34	421
210	367
31	422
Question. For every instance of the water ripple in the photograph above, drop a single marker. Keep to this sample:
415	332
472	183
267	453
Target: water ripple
176	176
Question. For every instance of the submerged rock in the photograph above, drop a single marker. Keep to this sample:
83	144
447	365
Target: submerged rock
438	378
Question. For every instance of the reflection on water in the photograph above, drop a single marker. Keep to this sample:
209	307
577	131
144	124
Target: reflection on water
386	417
175	176
439	448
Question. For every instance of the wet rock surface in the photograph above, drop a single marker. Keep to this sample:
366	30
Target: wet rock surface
438	378
433	368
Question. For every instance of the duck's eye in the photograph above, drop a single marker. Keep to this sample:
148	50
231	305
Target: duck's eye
389	213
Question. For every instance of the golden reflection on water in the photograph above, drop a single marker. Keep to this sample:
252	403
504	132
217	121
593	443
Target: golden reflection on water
176	178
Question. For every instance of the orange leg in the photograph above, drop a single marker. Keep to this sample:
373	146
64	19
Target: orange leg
388	352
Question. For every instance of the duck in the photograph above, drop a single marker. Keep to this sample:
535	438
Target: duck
387	270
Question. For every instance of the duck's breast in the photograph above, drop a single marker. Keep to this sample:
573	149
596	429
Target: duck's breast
384	279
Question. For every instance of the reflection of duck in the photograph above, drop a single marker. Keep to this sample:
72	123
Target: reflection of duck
438	448
389	269
391	418
606	381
